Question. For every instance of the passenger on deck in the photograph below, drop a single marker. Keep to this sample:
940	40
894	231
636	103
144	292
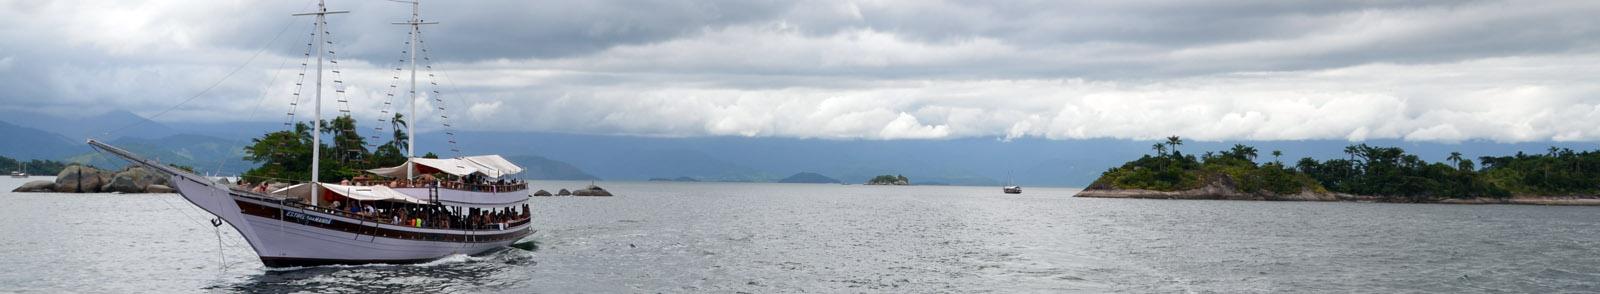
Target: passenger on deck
345	182
262	188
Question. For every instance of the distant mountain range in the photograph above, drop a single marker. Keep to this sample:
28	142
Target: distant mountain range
970	161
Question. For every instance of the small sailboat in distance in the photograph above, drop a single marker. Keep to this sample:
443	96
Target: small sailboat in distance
1011	188
21	172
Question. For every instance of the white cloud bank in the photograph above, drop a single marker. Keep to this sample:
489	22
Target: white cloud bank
1503	71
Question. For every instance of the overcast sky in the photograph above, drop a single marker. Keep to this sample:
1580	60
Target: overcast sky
1509	71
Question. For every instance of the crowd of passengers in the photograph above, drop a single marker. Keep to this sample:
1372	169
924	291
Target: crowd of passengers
433	216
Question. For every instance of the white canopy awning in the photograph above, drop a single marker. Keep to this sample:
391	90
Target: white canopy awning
363	193
492	166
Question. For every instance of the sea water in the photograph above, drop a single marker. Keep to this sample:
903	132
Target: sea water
763	238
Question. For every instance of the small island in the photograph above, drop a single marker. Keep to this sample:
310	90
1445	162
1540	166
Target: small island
809	178
889	180
1374	174
677	179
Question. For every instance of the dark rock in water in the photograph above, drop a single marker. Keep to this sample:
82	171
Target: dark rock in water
564	192
592	190
37	186
133	179
541	193
123	185
80	179
159	189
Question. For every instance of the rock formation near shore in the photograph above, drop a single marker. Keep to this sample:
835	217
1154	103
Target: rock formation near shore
1216	188
541	193
84	179
80	179
563	192
36	186
591	190
159	189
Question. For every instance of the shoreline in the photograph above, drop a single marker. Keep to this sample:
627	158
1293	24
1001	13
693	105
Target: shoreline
1209	194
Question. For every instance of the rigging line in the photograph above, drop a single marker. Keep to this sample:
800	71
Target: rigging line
275	74
186	215
224	78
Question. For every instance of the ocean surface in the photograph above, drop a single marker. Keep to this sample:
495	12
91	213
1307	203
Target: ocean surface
764	238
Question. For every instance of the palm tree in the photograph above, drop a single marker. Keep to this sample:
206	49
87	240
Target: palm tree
1455	157
1161	150
1245	152
1276	156
400	137
1352	150
1174	141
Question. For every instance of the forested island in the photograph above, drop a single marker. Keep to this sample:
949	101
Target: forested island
1370	173
890	180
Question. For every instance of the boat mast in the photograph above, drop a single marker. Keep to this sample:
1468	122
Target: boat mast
316	123
411	128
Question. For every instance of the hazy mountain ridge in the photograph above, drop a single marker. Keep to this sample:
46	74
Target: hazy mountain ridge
970	161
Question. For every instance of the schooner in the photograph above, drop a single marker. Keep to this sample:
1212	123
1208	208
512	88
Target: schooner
431	208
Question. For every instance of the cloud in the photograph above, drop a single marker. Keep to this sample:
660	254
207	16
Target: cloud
1209	70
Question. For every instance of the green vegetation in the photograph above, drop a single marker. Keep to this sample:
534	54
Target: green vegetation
1386	172
1175	172
286	155
889	180
33	167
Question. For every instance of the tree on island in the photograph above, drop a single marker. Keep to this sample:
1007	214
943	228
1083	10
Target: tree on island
1174	141
286	155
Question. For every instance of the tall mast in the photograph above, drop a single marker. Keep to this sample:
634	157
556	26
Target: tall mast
316	123
411	128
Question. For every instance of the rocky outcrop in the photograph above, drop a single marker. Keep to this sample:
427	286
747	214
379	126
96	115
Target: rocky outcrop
80	179
84	179
132	180
563	192
36	186
1218	188
591	190
159	189
541	193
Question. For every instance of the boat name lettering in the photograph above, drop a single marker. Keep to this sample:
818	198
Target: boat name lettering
312	218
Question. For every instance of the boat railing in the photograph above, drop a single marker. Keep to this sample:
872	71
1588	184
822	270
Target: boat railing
459	186
429	223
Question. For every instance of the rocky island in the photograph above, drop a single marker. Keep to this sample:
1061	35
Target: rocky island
86	179
1374	174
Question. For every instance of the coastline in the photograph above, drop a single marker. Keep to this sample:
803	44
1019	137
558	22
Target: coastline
1213	193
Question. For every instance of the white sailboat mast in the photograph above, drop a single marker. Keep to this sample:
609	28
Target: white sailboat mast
316	123
411	128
